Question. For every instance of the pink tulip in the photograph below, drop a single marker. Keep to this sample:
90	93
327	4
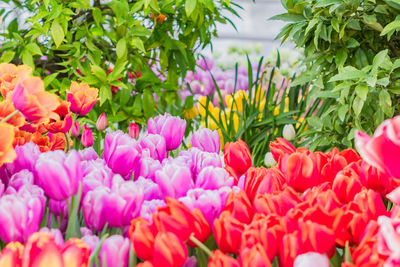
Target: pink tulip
383	149
174	180
121	153
115	252
134	130
213	178
171	128
59	174
27	156
150	207
101	123
206	140
87	137
76	130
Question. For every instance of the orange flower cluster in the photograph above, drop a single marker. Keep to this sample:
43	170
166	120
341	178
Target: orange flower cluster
41	250
28	113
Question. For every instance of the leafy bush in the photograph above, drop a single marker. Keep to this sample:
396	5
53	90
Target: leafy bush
352	58
102	43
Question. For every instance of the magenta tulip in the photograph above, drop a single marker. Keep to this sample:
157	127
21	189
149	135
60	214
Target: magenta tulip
59	174
88	154
20	179
383	149
133	130
27	156
115	252
213	178
76	129
121	153
206	140
150	207
202	159
87	137
156	145
171	128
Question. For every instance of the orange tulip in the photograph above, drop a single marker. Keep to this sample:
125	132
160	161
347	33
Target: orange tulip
228	233
11	255
169	250
281	147
237	156
82	98
346	185
254	257
261	180
279	202
62	122
142	235
239	206
301	171
30	98
6	108
75	253
7	152
9	75
219	259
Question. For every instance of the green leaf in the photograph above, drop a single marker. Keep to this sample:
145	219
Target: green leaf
7	56
385	102
391	27
105	94
352	43
73	229
121	48
34	48
348	73
358	104
362	91
138	43
342	111
57	33
290	17
190	5
27	58
341	57
148	104
315	123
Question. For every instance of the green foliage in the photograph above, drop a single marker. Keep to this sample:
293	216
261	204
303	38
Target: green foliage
84	40
352	50
267	109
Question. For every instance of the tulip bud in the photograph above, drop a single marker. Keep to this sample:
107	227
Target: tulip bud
76	129
311	259
269	160
87	137
101	123
288	132
134	130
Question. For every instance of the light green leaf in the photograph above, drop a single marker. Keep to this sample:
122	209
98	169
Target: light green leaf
358	104
7	56
34	48
315	123
148	104
348	73
138	43
105	94
290	17
190	5
27	58
391	27
121	48
362	91
342	112
57	33
341	57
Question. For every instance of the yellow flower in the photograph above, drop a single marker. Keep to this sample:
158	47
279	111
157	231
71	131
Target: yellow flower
190	113
201	106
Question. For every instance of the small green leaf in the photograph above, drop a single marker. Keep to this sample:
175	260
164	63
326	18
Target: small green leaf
138	43
341	57
342	111
57	33
121	48
34	48
391	27
148	104
362	91
348	73
358	104
315	123
105	94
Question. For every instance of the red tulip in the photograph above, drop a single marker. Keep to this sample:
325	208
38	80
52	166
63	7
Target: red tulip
346	185
134	130
375	179
219	259
237	156
261	180
279	203
169	250
301	171
142	235
62	121
280	147
289	249
228	232
239	206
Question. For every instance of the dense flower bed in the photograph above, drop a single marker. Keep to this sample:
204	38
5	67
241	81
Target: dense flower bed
145	200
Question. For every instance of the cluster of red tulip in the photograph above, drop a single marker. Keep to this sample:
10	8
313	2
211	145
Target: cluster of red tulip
28	113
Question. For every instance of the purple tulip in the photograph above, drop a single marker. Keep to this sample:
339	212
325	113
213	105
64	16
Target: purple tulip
171	128
150	189
20	217
95	174
174	180
88	154
115	252
150	207
213	178
203	159
156	145
148	167
121	153
21	178
27	155
56	234
208	201
206	140
59	174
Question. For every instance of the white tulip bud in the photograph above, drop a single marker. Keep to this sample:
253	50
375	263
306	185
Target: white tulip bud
311	259
269	160
288	132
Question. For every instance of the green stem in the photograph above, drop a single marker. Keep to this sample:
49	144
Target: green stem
10	116
66	149
201	245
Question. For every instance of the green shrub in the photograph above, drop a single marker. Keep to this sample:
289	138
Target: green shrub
352	50
83	40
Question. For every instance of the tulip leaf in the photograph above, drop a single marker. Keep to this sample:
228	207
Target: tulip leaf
73	228
148	104
347	254
96	251
57	33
